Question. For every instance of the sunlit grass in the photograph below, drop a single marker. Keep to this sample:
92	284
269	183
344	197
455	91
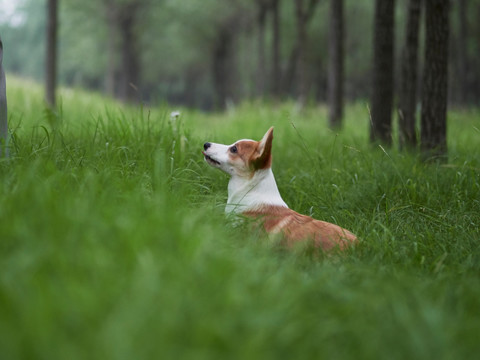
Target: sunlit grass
113	241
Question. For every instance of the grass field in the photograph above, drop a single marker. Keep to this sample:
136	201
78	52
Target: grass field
114	244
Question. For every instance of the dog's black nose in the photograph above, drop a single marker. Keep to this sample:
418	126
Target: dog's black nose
206	145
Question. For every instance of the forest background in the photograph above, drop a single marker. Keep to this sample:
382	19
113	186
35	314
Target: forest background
208	54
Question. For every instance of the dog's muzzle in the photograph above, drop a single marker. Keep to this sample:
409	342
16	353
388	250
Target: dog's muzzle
208	158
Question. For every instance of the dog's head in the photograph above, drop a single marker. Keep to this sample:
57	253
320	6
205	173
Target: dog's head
242	158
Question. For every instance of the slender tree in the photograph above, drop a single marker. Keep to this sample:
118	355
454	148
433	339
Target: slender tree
51	53
276	72
223	64
124	53
297	71
262	8
434	88
462	60
3	106
302	87
130	53
335	63
111	73
408	79
382	94
303	15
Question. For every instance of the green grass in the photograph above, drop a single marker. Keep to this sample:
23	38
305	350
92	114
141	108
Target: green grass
114	245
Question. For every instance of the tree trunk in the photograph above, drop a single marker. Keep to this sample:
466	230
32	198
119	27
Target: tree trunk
382	95
288	79
111	48
51	53
462	53
408	79
192	76
276	75
223	66
123	73
3	107
301	68
261	74
435	75
297	64
130	74
335	64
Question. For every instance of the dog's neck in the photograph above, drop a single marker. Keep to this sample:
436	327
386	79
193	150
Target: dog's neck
250	194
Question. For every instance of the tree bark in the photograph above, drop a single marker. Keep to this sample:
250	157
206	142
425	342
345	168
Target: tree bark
288	79
276	73
261	73
222	66
51	53
3	107
112	48
382	95
462	53
435	80
192	76
335	64
130	74
408	79
298	67
123	74
302	87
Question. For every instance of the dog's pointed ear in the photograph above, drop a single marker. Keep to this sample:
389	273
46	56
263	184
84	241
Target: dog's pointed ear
263	155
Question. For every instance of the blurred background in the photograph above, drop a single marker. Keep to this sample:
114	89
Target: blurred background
210	53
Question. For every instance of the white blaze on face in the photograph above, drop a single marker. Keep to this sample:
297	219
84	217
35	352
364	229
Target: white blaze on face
216	155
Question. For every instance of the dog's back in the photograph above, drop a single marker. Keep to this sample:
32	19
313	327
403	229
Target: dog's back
297	227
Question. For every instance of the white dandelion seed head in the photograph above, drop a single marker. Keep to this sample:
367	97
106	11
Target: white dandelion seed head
174	115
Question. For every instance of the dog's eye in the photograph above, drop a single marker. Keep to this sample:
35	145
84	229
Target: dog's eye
233	149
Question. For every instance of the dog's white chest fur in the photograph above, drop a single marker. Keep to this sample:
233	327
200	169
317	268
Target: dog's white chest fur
249	194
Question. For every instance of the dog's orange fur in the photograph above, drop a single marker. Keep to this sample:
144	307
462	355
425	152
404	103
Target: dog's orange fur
297	227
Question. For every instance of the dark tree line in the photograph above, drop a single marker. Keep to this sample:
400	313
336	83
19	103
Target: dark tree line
292	55
434	82
124	72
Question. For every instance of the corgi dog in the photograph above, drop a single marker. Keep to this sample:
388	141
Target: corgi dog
253	192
